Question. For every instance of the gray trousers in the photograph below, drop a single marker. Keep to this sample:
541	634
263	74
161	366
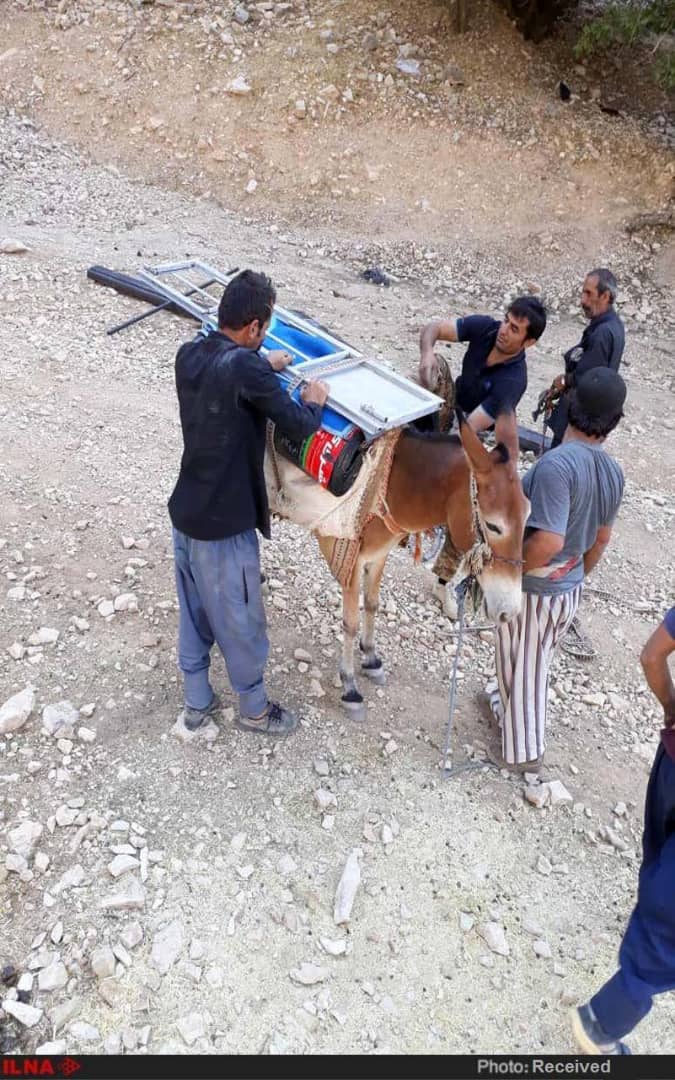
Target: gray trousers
220	601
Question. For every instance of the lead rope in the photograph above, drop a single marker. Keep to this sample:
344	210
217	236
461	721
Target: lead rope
466	584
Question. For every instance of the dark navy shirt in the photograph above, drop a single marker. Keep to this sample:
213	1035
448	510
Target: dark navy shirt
226	395
601	345
494	388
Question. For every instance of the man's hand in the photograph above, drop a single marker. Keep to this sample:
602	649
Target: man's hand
558	384
279	359
429	370
315	393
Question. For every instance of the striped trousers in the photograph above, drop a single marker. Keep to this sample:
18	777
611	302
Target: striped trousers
524	649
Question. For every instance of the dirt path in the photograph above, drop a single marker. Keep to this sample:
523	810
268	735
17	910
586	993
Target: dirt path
238	858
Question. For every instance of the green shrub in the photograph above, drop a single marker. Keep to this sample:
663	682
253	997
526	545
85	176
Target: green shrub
626	24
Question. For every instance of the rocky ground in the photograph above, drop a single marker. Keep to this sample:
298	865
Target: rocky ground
161	896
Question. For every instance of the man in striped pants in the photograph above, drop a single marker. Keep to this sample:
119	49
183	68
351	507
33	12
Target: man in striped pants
574	492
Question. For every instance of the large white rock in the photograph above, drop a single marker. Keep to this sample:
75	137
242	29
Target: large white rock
9	245
23	839
16	710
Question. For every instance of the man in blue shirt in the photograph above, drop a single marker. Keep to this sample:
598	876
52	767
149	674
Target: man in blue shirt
493	380
647	954
494	369
601	345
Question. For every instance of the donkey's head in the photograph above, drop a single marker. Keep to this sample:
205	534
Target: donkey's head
501	510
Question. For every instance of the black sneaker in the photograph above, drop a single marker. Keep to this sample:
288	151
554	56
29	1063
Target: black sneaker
591	1037
274	721
196	718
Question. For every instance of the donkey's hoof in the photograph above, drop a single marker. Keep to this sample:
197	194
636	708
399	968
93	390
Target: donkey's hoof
375	672
353	703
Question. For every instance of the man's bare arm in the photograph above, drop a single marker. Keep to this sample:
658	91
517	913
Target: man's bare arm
654	660
479	419
540	547
438	330
595	553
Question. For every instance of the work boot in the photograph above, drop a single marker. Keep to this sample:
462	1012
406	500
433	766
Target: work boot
274	721
196	718
591	1038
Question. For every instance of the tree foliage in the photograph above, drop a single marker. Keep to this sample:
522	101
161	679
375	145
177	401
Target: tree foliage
628	23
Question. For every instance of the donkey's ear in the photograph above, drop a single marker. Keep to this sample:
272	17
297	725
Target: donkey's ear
506	432
479	459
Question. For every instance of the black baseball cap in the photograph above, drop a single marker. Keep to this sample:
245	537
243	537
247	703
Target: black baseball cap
601	393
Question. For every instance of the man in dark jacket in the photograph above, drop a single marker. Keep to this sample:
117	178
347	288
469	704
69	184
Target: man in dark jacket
226	392
601	345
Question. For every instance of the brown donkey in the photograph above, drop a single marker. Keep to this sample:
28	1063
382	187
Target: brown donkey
441	480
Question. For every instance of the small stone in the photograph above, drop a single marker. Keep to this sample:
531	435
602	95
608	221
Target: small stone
125	602
596	699
250	188
466	921
63	1013
408	67
303	656
88	710
241	15
334	948
86	735
130	897
103	962
16	710
60	719
55	1048
309	974
84	1032
494	937
238	86
370	41
9	245
538	795
24	838
192	1027
25	1014
53	977
455	76
105	608
324	798
542	949
347	888
544	866
321	767
167	946
215	976
121	864
17	651
46	635
132	935
558	793
620	809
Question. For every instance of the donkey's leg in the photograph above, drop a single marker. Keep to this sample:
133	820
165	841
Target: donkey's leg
371	665
352	700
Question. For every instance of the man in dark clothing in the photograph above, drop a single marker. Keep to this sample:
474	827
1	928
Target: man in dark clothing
494	369
226	392
647	954
493	380
601	345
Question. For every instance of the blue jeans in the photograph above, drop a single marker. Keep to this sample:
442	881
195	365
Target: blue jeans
220	601
647	954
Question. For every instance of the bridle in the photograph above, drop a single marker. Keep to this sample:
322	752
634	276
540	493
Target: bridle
481	555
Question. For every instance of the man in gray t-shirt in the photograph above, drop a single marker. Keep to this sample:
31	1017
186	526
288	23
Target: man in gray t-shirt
574	492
